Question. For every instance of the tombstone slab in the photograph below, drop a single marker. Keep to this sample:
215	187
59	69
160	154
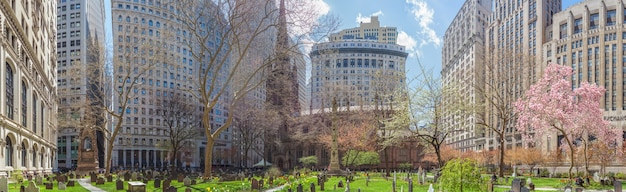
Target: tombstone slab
166	184
70	183
4	184
617	185
39	180
109	178
170	189
61	186
157	183
100	181
32	187
187	181
135	186
119	185
49	185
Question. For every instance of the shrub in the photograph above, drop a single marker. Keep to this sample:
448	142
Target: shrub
620	176
461	175
544	172
273	172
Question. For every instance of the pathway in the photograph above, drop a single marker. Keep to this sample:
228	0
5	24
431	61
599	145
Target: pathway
276	188
87	185
551	189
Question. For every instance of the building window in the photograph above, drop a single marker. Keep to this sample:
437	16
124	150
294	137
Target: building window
23	154
594	19
611	17
578	25
8	154
35	113
24	104
9	91
563	31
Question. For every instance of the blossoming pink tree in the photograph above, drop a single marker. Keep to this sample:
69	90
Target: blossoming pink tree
551	106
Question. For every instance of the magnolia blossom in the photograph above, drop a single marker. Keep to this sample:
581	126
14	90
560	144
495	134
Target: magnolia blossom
552	106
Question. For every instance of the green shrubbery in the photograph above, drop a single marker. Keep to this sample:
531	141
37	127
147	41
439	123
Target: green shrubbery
461	175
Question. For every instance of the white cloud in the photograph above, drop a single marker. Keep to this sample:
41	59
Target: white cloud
409	43
424	16
366	19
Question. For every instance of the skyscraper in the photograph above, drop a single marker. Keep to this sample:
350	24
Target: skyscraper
81	44
29	99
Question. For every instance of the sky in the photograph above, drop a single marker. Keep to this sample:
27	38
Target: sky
420	23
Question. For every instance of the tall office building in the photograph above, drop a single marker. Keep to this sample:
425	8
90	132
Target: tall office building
463	62
358	66
28	91
80	42
152	52
591	38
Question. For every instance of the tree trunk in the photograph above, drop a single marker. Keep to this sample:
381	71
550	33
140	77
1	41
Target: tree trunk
586	159
386	163
109	151
571	155
501	164
439	160
208	155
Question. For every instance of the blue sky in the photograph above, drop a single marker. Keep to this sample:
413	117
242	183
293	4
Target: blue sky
421	23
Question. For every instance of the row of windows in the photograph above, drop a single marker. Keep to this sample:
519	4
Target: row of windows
72	25
10	103
64	43
62	35
74	52
64	16
594	23
72	7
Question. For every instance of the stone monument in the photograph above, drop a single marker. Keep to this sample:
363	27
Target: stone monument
333	168
87	152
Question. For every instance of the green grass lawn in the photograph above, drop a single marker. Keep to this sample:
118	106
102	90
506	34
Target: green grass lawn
15	187
221	186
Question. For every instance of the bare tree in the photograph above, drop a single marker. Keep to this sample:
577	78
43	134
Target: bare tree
250	125
182	125
221	35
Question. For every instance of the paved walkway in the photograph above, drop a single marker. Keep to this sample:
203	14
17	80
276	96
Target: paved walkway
87	185
553	189
276	188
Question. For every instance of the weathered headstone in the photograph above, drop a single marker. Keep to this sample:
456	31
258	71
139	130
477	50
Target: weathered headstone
32	187
70	183
109	178
348	185
255	184
166	183
393	185
4	184
617	185
170	189
596	177
181	177
127	176
39	180
22	188
134	176
93	177
49	185
312	187
193	182
410	185
188	189
299	188
61	186
119	185
516	185
100	181
568	189
157	183
340	184
578	189
187	182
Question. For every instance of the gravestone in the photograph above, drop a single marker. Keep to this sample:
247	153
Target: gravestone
596	177
100	181
109	178
188	189
32	187
22	188
312	187
516	185
193	182
181	177
61	186
166	184
49	185
70	183
187	182
170	189
134	176
340	184
299	188
568	189
119	184
430	188
39	180
578	189
271	180
72	175
255	184
127	176
348	185
617	185
157	183
4	184
93	177
393	185
410	185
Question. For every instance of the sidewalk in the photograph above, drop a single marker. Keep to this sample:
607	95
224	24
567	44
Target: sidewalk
87	185
552	189
276	188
